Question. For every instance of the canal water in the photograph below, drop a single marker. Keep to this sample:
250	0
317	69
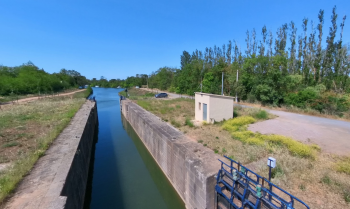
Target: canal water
123	173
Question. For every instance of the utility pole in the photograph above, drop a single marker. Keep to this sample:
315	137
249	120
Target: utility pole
236	88
147	81
222	84
201	84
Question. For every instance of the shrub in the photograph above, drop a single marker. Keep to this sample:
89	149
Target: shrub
262	114
302	98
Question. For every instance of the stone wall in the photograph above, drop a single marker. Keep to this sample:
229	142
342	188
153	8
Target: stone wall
59	178
189	166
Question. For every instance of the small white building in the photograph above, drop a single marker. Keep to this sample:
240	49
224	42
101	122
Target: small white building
213	107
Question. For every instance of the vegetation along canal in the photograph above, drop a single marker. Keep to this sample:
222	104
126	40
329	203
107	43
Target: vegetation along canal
124	173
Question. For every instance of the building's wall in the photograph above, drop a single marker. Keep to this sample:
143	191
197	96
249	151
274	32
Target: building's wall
221	108
202	98
189	166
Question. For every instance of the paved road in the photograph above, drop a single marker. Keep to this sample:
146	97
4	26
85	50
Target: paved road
333	136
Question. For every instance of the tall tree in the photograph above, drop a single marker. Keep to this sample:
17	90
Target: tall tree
253	44
318	61
247	40
229	51
292	59
328	61
185	59
262	43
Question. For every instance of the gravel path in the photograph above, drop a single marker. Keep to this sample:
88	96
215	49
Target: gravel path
35	98
333	136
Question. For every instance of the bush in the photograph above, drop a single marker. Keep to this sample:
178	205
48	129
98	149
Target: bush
302	98
172	89
262	114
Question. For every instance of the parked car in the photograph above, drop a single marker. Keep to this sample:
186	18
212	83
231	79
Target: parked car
161	95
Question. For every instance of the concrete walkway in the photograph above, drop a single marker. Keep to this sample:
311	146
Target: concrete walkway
333	136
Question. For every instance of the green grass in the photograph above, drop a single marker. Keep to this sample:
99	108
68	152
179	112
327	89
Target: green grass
238	129
10	144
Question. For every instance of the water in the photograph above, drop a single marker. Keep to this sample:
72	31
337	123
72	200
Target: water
124	173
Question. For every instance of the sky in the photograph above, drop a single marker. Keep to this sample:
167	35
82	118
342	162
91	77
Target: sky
117	39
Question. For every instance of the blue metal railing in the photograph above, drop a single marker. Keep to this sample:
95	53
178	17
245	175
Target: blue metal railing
242	188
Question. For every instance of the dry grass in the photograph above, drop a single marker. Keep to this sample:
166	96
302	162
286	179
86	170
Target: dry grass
318	179
27	130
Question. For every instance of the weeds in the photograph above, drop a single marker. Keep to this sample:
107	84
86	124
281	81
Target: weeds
175	123
189	123
277	171
347	196
238	128
10	144
343	165
326	180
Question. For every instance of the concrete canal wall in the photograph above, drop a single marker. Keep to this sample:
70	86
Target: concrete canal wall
59	178
189	166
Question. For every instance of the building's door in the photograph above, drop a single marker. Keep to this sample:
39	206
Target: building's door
204	112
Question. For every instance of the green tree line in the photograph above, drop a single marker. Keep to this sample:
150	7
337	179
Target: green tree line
288	67
29	79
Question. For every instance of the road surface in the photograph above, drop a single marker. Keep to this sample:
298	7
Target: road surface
333	136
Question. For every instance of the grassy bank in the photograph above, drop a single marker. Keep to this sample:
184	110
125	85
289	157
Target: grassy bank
27	130
317	178
137	94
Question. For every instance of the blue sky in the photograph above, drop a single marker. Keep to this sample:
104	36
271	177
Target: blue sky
117	39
